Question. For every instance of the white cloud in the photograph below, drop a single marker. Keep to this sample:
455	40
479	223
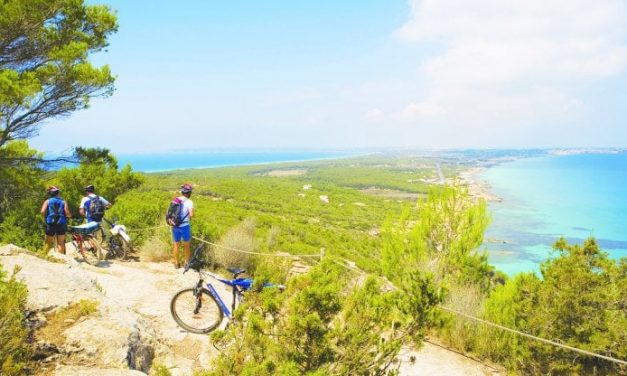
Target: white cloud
374	114
417	111
519	60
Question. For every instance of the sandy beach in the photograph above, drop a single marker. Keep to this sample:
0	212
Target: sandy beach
478	187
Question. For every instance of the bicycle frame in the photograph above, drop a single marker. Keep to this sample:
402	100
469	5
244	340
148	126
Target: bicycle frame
237	293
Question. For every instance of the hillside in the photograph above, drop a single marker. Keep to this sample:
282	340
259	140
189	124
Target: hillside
132	326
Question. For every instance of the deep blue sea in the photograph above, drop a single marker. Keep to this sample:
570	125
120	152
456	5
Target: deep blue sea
574	196
183	160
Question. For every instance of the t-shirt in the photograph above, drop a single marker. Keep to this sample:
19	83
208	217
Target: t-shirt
188	205
85	204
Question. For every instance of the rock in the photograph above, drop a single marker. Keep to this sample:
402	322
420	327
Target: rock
140	354
91	371
131	327
324	198
10	250
306	187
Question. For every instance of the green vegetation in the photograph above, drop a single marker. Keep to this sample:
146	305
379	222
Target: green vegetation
287	217
322	325
416	255
44	74
44	67
579	299
25	189
13	349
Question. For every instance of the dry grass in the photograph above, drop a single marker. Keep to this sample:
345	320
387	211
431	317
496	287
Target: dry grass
64	318
464	298
240	237
155	249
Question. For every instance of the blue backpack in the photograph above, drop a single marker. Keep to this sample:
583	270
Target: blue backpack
56	211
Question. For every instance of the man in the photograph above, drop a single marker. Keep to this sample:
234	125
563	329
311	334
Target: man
181	230
93	211
56	213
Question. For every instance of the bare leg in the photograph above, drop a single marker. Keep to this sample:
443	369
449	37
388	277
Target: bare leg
176	254
48	243
186	251
61	243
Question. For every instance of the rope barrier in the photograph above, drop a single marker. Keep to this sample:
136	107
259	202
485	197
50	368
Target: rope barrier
470	317
547	341
451	310
250	252
145	228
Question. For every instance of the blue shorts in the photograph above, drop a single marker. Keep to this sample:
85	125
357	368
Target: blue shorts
182	233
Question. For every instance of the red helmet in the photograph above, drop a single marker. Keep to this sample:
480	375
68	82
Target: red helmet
186	188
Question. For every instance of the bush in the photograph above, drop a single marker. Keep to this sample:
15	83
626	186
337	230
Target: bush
155	249
322	325
240	237
579	301
13	336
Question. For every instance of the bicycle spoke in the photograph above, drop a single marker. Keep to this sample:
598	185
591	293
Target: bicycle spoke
197	314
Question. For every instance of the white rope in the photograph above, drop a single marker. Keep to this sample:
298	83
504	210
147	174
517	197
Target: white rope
544	340
250	252
547	341
145	228
470	317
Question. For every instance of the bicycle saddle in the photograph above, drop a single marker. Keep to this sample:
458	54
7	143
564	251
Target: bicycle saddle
236	271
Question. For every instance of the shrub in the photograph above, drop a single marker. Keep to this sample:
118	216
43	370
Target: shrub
13	336
324	324
155	249
240	237
579	301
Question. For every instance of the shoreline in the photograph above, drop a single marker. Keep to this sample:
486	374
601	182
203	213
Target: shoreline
245	164
478	187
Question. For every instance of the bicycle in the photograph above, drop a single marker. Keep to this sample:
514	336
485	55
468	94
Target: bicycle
200	309
119	243
83	239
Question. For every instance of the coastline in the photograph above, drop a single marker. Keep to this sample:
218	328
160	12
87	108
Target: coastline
478	187
244	164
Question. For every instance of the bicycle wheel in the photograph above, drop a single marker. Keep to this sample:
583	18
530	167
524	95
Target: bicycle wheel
197	314
91	251
119	247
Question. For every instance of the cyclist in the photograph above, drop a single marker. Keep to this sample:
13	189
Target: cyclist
56	214
93	206
181	230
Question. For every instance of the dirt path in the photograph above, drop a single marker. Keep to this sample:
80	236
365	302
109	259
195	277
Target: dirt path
133	322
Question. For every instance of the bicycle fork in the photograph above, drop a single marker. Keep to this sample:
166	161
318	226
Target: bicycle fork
198	295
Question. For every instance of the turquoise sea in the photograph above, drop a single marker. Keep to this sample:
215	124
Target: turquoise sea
201	159
575	196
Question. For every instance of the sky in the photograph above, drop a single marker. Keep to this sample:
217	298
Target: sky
348	74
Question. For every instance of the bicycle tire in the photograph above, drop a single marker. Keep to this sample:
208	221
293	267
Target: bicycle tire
91	251
119	247
182	308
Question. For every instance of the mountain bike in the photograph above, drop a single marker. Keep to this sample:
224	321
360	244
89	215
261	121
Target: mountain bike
119	243
85	242
200	309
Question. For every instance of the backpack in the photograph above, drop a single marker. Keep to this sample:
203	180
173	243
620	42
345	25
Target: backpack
96	209
175	210
56	212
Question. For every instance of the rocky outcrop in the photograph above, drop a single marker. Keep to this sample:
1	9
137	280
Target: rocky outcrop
132	328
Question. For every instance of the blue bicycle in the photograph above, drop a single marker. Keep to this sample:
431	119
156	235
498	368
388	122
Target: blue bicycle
200	309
